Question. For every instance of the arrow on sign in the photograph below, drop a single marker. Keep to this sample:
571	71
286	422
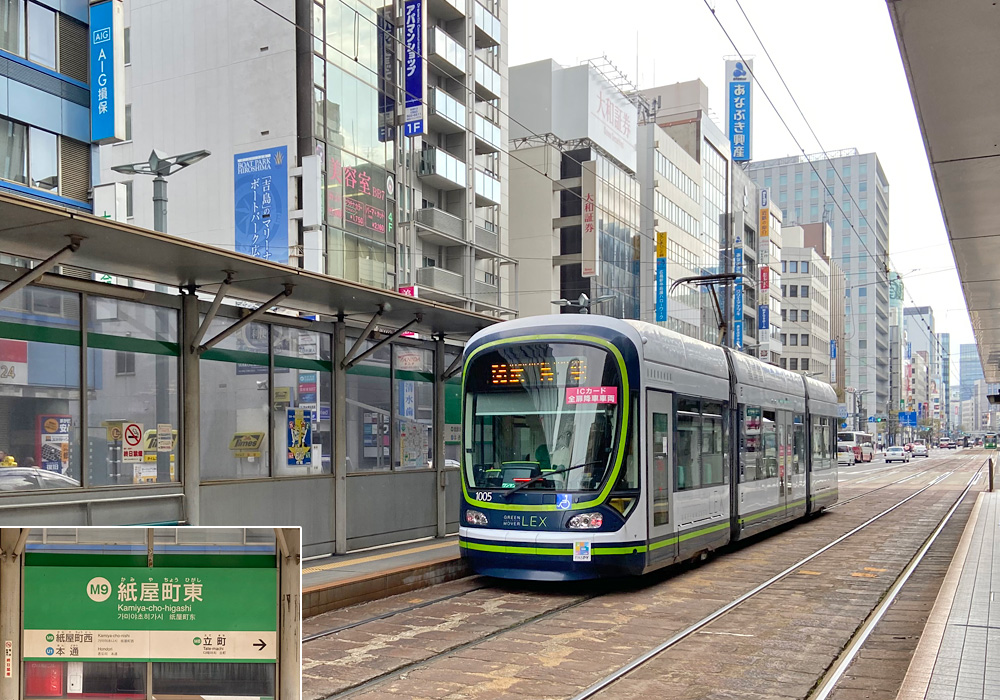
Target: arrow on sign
260	643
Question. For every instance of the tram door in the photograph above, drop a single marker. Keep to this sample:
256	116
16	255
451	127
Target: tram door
659	455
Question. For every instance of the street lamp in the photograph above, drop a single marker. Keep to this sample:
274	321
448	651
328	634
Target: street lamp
160	166
584	302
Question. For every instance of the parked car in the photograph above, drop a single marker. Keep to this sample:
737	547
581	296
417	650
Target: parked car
919	450
845	455
896	454
31	478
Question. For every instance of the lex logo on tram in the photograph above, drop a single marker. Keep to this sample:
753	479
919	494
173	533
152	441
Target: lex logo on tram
596	447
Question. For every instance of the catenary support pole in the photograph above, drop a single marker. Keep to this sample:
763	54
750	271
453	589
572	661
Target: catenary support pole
290	615
439	428
339	438
10	612
190	409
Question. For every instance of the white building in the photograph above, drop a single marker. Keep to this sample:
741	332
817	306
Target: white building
805	316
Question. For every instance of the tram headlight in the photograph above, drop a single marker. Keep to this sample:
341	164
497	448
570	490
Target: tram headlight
585	521
474	517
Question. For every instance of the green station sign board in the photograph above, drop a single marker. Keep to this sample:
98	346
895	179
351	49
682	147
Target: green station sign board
158	613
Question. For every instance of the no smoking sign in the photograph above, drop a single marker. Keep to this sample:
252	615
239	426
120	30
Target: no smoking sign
132	442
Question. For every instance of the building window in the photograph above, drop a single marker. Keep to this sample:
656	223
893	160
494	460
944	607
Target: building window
793	314
863	292
41	35
793	339
805	266
12	26
43	159
804	317
129	211
805	291
784	265
783	363
805	363
784	293
13	151
793	266
784	338
793	290
783	315
124	363
793	363
128	45
805	340
128	122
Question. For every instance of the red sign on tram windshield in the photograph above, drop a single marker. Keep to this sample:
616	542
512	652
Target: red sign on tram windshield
591	394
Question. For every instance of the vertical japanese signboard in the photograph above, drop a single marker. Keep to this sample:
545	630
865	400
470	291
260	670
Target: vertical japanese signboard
107	72
113	613
738	294
386	75
261	187
764	261
833	357
661	276
590	261
53	442
738	107
413	66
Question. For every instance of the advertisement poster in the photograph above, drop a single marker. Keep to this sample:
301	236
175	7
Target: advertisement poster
299	437
53	442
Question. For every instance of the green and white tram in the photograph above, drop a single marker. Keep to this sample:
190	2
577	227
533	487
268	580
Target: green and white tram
599	447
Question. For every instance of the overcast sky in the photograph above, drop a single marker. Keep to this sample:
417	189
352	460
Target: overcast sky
842	65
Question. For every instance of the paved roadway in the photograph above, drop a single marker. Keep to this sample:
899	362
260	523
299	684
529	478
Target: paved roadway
489	640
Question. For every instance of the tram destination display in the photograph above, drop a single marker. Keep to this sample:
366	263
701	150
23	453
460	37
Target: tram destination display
539	373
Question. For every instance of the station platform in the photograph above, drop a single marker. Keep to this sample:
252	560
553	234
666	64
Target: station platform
343	580
958	656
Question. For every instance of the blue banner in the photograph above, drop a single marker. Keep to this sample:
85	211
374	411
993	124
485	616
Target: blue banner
661	290
738	109
103	62
413	67
738	295
386	76
833	349
763	319
261	186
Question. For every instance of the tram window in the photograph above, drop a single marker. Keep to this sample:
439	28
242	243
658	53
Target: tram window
799	456
628	479
750	448
687	447
713	443
659	440
769	444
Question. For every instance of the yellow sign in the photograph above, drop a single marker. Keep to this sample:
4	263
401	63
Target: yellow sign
661	244
246	444
765	222
149	453
114	433
282	394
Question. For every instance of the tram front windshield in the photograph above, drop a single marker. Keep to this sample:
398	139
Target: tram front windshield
541	416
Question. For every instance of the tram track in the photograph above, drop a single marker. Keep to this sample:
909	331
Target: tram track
398	675
844	660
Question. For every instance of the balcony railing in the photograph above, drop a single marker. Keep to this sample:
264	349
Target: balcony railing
440	279
487	189
487	136
445	53
486	293
447	114
487	27
487	81
441	169
487	239
441	221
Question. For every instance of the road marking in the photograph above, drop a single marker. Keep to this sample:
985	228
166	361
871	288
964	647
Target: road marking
726	634
872	568
858	574
809	573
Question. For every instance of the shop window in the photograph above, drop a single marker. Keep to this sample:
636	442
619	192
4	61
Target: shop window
302	411
40	390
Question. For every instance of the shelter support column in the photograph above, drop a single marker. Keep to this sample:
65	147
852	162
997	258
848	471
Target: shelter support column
339	438
191	408
10	611
439	429
290	613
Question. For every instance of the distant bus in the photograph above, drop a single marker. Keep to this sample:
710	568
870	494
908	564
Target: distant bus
862	443
990	441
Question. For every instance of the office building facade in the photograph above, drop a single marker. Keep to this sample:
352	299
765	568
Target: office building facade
410	200
970	369
45	97
849	191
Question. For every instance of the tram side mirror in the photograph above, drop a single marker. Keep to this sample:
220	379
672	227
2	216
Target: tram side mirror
993	398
